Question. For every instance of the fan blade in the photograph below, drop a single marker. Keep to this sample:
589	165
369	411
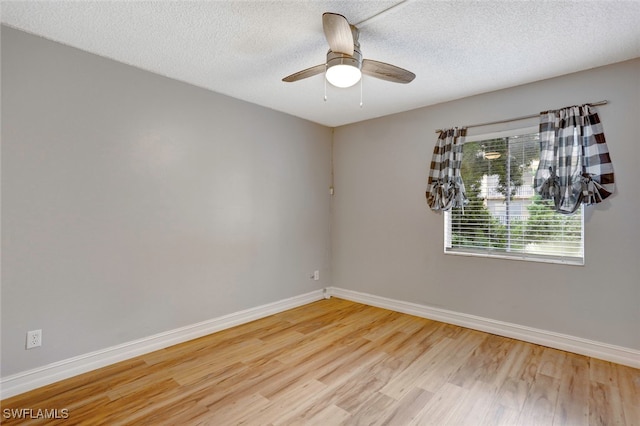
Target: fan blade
309	72
387	72
338	33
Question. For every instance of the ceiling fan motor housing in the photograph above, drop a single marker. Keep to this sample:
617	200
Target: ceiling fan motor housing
336	58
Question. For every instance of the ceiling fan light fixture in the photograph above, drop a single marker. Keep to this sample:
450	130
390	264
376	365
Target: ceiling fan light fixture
343	75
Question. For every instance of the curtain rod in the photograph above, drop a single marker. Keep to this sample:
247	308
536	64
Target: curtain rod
524	117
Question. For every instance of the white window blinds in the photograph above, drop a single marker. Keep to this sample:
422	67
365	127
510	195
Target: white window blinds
504	217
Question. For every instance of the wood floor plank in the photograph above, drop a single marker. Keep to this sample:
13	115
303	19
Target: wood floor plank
572	407
229	390
442	407
408	408
450	359
352	394
336	362
419	354
389	368
420	367
499	415
319	415
358	360
473	407
513	393
628	383
370	410
552	363
399	322
602	372
605	406
539	407
528	370
290	404
483	363
519	354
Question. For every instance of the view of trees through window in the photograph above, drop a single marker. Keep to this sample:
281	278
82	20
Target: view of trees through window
504	215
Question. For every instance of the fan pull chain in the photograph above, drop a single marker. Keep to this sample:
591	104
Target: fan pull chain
325	89
361	91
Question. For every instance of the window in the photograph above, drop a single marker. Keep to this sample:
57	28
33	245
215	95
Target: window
504	217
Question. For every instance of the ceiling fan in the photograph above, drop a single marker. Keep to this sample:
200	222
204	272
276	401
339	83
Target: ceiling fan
345	66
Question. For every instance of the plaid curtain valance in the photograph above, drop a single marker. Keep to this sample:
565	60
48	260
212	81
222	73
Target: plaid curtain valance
575	166
445	188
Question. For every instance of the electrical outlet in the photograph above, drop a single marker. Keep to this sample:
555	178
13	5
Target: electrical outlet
34	339
316	275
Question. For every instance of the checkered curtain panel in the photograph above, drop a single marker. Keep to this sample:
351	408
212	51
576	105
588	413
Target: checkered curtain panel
445	188
575	166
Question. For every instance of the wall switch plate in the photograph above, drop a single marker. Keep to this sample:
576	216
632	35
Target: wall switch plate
34	339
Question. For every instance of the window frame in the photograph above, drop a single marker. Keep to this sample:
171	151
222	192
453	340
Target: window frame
500	254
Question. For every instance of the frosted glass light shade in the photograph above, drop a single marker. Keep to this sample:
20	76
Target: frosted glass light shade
342	75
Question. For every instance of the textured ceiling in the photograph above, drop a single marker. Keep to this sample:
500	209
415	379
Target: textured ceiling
244	48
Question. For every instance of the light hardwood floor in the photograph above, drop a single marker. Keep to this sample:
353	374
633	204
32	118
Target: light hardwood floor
337	362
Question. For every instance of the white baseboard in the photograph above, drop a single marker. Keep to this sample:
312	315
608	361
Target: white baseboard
42	376
604	351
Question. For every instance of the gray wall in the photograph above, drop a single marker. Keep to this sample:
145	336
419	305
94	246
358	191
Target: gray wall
386	242
133	204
